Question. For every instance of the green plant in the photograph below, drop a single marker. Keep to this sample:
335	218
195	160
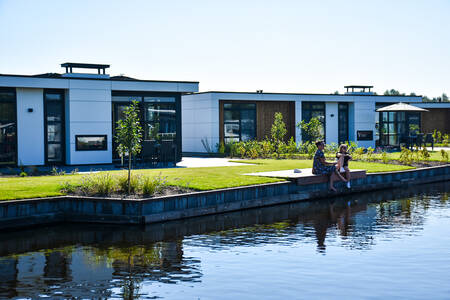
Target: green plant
56	172
130	184
129	135
67	187
291	147
206	145
97	184
444	155
312	130
406	156
445	140
331	148
384	157
221	148
267	148
23	174
311	150
369	154
278	130
152	185
424	154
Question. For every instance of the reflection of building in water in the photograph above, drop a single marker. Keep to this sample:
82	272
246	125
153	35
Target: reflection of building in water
8	277
57	267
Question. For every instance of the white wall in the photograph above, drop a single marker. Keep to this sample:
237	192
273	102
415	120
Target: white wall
89	112
30	126
364	119
331	122
200	120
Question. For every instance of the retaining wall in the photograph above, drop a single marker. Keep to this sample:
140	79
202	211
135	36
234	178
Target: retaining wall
20	213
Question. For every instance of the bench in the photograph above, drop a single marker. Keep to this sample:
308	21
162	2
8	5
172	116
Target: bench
305	176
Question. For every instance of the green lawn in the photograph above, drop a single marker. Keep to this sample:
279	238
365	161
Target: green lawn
196	178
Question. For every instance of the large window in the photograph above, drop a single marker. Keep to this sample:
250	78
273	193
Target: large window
54	123
313	110
160	120
8	127
395	127
239	122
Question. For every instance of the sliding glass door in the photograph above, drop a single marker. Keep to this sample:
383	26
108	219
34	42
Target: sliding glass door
8	127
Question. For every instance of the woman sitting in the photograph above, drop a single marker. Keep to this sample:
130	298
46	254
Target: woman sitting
322	167
342	165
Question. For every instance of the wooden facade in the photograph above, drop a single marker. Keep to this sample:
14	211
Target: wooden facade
265	116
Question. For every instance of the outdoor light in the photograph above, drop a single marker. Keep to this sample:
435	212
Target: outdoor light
332	115
30	110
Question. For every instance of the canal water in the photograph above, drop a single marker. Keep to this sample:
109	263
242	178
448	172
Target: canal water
388	244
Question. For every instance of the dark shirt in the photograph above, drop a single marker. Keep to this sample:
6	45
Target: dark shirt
319	167
347	157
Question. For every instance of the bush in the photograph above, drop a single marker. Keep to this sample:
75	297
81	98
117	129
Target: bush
444	155
278	130
384	157
445	140
424	154
122	182
97	184
221	148
23	174
332	148
67	187
151	185
406	156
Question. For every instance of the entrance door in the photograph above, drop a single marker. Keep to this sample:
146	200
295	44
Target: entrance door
8	128
54	127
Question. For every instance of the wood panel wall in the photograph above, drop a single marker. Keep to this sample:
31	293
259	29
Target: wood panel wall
265	115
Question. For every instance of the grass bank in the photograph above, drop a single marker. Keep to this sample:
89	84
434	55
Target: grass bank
195	178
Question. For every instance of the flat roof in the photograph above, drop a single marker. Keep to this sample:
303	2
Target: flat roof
321	94
113	78
85	66
358	86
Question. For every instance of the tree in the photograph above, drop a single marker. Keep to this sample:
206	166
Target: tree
444	97
312	130
278	130
129	135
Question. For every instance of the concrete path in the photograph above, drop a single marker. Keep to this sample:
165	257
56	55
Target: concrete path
202	162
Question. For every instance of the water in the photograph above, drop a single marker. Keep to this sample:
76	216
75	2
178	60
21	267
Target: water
387	244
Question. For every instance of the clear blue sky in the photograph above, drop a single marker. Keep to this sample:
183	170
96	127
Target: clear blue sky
277	46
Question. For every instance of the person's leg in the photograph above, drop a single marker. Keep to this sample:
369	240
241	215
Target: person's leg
333	177
348	176
340	162
339	175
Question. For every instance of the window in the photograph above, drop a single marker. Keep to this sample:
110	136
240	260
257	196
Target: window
343	122
313	110
239	122
160	119
54	123
8	127
91	142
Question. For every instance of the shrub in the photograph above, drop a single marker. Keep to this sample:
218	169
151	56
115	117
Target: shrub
384	157
97	184
369	154
221	148
267	148
424	154
445	140
405	156
444	155
151	185
291	147
23	174
332	148
311	150
122	182
67	187
312	130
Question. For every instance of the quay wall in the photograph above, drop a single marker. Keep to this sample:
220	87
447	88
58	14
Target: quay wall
30	212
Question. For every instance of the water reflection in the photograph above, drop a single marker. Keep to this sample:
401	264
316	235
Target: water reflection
75	260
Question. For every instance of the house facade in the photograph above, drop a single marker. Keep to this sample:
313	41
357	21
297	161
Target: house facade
70	118
213	117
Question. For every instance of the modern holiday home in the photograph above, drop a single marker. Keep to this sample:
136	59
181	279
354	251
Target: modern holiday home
212	117
70	118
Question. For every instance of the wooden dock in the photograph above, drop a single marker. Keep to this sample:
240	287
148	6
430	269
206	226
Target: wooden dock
305	176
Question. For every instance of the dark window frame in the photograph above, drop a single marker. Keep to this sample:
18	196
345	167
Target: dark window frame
16	158
310	110
105	147
239	109
63	127
346	110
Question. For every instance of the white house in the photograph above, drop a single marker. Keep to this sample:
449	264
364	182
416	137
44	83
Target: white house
211	117
70	118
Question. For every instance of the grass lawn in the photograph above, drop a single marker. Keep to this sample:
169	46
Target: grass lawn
196	178
434	155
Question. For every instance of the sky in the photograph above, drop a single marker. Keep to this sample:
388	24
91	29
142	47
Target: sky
275	46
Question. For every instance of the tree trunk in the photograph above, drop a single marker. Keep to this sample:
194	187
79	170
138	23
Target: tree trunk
129	171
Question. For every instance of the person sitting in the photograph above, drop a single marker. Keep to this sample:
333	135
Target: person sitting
342	165
322	167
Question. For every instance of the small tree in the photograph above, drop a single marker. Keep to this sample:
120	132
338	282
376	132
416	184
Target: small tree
129	135
312	130
278	130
